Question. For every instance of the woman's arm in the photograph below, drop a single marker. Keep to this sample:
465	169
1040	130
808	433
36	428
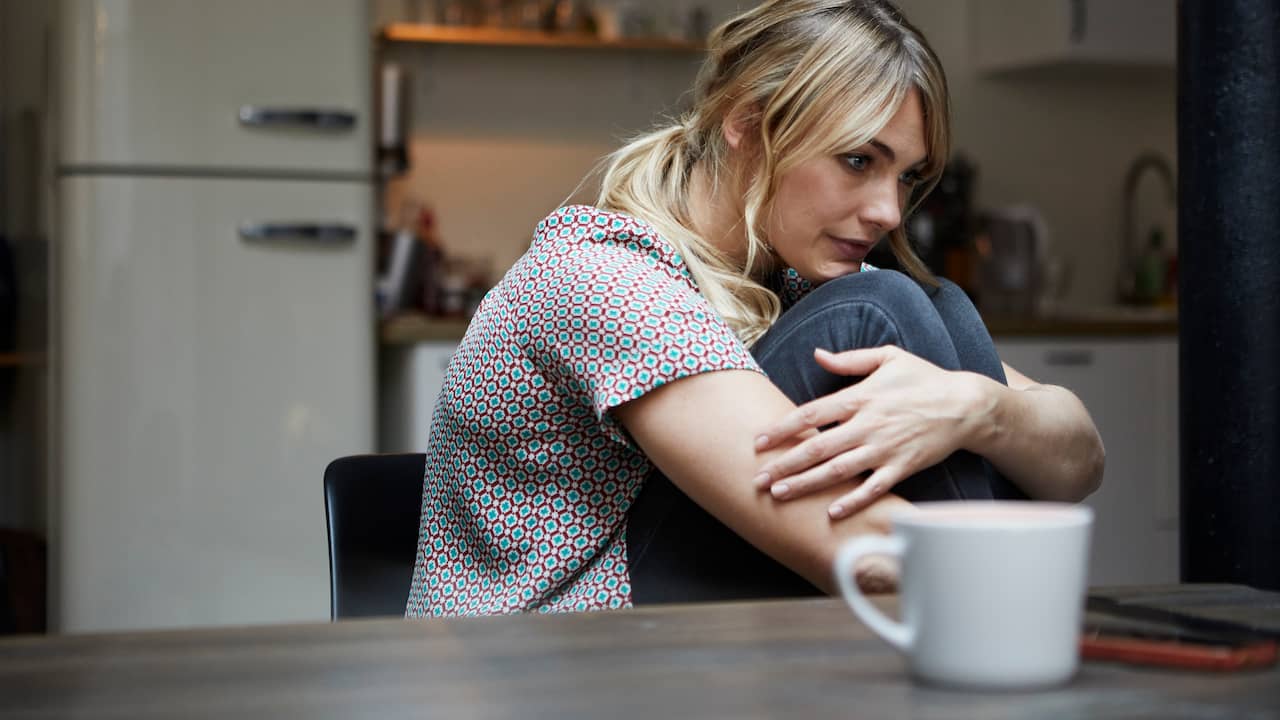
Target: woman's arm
1040	436
699	431
907	414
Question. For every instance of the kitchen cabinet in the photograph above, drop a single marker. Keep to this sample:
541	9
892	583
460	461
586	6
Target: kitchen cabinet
1016	35
411	376
1130	386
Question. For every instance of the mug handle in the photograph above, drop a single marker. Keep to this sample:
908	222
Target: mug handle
895	633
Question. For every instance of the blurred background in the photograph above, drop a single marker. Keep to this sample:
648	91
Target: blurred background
239	240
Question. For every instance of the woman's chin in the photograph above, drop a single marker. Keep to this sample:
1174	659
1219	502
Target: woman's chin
833	270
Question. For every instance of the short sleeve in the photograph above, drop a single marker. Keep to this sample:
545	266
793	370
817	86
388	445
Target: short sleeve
613	321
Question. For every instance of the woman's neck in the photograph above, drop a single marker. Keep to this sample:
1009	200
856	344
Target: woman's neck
716	211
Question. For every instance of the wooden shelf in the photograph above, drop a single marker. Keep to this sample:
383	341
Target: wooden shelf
11	360
410	328
444	35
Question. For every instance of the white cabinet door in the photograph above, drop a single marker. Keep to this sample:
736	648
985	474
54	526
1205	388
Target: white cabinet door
410	380
1022	34
160	83
205	382
1131	389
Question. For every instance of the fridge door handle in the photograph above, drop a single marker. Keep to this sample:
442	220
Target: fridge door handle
326	234
309	118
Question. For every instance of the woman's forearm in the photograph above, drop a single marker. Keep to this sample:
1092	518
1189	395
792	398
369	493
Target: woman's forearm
1040	437
698	431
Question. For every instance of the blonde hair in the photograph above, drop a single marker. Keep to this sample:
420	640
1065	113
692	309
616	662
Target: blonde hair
814	77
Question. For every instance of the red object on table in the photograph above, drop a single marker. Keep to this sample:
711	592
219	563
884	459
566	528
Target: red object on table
1174	654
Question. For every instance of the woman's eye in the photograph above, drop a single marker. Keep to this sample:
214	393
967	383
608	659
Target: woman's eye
910	178
857	162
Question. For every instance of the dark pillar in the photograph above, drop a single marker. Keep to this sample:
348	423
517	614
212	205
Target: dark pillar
1229	289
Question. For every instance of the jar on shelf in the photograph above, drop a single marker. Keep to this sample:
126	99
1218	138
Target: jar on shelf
530	14
493	13
425	12
456	13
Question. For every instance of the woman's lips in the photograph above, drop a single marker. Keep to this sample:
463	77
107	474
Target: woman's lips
850	250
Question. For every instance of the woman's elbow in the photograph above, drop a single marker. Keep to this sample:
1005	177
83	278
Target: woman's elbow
1079	472
1093	468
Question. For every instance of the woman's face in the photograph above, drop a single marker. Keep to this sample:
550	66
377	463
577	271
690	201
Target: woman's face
830	211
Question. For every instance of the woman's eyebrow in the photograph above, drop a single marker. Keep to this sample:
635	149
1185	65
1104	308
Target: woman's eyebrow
891	155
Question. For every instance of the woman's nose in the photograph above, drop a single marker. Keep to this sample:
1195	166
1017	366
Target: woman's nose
882	207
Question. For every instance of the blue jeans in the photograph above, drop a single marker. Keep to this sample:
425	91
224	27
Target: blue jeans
677	552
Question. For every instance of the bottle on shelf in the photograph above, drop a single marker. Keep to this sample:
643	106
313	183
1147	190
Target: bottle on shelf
431	267
1152	270
393	121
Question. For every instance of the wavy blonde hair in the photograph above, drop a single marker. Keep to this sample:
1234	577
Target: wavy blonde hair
811	78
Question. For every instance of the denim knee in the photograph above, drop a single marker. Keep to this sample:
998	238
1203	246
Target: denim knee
861	310
947	289
901	300
888	288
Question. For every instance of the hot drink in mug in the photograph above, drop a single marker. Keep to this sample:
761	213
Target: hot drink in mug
991	593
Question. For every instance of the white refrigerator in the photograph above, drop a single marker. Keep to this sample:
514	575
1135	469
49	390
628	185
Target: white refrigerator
213	315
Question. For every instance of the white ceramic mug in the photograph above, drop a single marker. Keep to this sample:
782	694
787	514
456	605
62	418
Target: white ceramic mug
991	593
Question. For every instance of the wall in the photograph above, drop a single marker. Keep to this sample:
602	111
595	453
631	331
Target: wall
503	135
1061	141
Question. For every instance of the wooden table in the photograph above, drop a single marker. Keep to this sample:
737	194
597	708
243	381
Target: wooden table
788	659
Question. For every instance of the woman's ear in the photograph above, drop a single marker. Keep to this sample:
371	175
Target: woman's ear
736	125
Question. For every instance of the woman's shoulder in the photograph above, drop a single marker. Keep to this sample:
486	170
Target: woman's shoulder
586	222
583	231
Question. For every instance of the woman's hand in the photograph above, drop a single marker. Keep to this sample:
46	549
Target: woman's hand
904	416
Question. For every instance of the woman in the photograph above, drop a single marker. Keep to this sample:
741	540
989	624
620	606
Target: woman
613	357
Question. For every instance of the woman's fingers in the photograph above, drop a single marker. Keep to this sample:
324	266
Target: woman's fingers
880	482
855	362
809	455
836	407
841	468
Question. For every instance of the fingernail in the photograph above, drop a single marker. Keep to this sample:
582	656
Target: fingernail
781	489
824	351
762	480
762	442
836	510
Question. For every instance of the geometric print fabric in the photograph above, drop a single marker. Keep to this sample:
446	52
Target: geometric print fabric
529	477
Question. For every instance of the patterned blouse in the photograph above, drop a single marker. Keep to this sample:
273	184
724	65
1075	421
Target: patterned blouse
529	476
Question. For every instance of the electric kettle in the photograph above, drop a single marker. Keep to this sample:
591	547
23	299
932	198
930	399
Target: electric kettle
1012	246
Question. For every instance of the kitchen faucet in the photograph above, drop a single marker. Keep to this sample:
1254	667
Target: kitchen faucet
1128	256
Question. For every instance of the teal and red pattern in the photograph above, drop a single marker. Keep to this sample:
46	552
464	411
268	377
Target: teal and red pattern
529	476
792	287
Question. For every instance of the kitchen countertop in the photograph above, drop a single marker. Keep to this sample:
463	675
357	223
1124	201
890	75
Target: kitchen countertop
408	329
1006	327
411	328
1118	321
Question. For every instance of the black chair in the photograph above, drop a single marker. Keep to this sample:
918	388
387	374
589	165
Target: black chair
372	504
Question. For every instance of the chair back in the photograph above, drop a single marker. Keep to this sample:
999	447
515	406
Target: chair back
373	504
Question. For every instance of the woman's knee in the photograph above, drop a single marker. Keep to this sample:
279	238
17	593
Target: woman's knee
860	310
881	284
899	298
948	294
